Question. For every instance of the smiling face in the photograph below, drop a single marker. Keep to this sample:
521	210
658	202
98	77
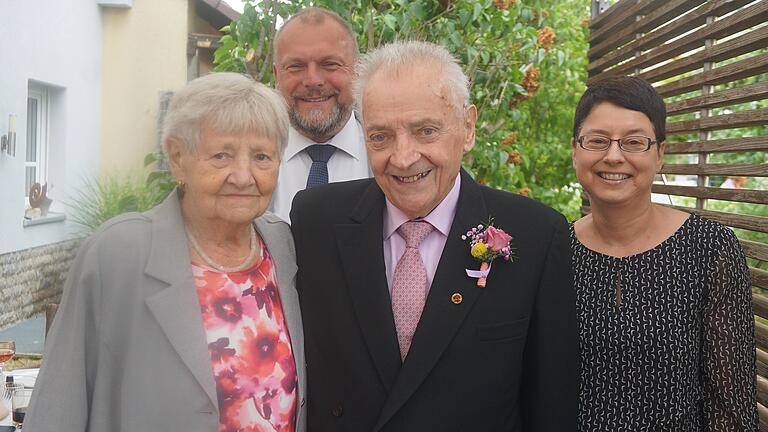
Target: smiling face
313	71
613	177
415	137
229	178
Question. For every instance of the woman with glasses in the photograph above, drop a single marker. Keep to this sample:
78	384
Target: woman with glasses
663	297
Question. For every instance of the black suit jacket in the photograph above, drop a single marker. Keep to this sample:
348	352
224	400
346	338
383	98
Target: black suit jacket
504	359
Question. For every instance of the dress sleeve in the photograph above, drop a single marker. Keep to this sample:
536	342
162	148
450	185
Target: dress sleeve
728	341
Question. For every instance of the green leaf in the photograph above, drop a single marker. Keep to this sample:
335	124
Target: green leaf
541	54
485	56
155	176
455	39
129	203
390	21
476	10
150	159
417	10
464	17
228	44
503	156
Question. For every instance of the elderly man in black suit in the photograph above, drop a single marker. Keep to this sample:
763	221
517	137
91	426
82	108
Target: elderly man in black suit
400	333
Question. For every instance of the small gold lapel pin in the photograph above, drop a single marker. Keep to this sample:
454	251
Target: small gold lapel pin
456	298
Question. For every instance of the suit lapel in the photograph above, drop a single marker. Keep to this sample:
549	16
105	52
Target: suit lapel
285	270
361	250
176	307
441	318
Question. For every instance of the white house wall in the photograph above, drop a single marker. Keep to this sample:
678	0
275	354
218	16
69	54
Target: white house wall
56	43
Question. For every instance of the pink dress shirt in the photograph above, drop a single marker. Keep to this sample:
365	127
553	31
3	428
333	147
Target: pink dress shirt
430	248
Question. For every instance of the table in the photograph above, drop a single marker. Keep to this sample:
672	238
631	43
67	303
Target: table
23	376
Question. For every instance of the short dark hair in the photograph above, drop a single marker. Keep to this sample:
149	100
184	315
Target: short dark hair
315	16
628	92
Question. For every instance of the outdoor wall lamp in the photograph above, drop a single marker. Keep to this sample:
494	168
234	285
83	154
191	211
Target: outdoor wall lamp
8	141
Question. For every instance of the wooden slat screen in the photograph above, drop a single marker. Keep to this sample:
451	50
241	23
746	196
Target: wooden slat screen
709	60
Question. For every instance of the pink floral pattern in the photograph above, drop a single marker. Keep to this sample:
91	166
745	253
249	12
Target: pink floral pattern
250	348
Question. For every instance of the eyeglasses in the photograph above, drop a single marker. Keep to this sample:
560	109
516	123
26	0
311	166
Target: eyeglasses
629	144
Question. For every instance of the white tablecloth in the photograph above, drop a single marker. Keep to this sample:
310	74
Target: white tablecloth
21	376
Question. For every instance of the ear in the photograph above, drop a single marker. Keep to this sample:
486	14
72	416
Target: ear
660	156
470	120
173	148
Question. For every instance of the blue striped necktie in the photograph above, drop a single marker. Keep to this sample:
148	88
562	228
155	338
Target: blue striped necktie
318	172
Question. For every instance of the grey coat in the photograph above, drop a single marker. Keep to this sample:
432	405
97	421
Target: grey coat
127	350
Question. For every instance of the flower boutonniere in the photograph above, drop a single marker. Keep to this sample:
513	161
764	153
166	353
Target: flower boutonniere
487	243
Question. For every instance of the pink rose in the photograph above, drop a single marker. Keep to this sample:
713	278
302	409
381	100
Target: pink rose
496	239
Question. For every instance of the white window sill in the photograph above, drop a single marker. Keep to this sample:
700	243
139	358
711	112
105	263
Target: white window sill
115	3
52	217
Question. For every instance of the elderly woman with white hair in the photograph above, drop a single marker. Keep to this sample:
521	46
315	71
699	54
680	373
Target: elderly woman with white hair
185	318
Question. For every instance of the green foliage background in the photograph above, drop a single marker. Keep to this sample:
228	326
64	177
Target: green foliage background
103	198
524	83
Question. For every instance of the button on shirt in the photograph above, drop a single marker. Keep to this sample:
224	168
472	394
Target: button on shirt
431	248
349	162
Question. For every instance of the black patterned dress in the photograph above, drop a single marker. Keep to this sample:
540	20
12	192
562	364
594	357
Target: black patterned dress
667	335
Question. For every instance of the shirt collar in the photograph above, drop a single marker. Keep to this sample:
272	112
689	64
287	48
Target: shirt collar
347	140
441	217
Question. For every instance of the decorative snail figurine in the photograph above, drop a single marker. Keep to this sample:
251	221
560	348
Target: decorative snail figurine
38	198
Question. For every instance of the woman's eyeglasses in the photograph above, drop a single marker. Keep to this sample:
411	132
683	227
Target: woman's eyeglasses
629	144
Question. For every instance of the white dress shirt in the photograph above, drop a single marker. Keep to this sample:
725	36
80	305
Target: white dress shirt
349	162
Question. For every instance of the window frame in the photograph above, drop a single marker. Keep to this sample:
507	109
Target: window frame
40	93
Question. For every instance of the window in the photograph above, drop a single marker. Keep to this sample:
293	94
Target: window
36	169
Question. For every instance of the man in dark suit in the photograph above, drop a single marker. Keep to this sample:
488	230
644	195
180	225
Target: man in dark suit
399	336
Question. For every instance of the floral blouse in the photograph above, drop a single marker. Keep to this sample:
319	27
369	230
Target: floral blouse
250	348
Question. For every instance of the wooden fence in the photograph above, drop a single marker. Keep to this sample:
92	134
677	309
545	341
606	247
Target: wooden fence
708	59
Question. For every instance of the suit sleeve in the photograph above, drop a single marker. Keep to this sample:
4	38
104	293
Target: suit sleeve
296	226
551	361
62	397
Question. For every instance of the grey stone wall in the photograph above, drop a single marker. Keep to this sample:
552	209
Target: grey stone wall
32	278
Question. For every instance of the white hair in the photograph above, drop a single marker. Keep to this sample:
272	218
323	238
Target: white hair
399	56
228	103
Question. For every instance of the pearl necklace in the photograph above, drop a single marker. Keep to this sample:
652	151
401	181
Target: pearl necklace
244	265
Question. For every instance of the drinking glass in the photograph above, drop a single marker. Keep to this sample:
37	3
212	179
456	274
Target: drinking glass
20	402
7	393
7	351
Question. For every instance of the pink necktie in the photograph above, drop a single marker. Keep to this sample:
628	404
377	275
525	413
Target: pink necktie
409	284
